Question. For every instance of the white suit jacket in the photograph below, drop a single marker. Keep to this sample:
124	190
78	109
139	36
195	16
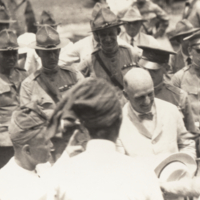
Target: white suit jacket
168	136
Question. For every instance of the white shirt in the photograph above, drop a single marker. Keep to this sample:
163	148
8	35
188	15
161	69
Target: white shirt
102	173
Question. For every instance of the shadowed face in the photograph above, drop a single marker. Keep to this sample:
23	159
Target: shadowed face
194	52
133	28
108	39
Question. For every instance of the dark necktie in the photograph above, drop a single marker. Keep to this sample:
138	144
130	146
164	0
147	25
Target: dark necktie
132	39
189	61
147	116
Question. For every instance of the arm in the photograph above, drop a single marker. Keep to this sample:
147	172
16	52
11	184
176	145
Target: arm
25	93
85	66
176	79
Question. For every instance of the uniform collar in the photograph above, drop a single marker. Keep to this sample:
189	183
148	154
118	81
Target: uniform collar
135	38
50	71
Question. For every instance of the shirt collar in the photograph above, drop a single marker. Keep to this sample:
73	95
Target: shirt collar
100	145
134	38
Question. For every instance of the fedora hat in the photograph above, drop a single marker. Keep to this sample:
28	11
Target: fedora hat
184	28
175	166
8	40
153	56
4	16
47	18
47	38
104	19
132	15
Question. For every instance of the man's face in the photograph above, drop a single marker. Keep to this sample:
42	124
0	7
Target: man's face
108	39
157	76
194	52
49	58
8	59
40	148
133	28
141	98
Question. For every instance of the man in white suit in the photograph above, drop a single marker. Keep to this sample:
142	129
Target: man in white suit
151	127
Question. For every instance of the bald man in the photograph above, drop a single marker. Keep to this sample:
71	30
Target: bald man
151	127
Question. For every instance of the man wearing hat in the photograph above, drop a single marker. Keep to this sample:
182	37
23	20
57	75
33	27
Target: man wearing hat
151	127
155	60
188	77
93	102
132	34
10	80
183	29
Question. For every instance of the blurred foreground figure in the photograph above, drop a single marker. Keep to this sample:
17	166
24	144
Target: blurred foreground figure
11	77
100	172
151	127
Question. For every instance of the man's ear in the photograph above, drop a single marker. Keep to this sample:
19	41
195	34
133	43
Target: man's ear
118	30
125	94
26	149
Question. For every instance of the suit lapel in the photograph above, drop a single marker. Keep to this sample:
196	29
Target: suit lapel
137	123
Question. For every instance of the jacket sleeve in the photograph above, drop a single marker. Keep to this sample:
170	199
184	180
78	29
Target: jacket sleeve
85	66
176	79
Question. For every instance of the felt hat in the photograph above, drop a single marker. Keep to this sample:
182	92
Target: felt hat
4	16
47	18
194	39
175	166
184	28
132	15
47	38
153	56
8	40
104	19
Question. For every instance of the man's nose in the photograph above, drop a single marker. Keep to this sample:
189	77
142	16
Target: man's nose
108	38
147	100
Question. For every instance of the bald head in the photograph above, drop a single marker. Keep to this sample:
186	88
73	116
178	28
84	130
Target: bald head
139	89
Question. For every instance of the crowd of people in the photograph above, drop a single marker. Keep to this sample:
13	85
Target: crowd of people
114	116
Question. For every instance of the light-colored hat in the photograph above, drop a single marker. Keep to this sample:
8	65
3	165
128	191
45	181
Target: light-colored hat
132	15
184	28
175	166
47	38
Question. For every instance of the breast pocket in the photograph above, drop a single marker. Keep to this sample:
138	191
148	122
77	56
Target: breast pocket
6	97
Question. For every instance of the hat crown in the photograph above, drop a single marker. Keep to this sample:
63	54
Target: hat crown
104	18
47	18
47	37
183	26
8	40
98	6
132	14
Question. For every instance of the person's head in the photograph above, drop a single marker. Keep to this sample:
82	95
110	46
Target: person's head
105	26
139	90
133	21
48	45
29	137
8	50
95	104
47	18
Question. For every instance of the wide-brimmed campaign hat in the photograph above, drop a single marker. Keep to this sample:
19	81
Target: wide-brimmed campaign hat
175	167
4	16
184	28
47	18
104	19
47	38
132	15
8	40
194	39
154	56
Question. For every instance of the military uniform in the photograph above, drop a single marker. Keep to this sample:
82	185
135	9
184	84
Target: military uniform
180	99
188	80
9	101
33	90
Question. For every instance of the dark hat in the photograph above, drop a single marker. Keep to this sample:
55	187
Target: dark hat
8	40
153	56
47	38
104	19
26	123
47	18
184	28
132	15
194	39
4	16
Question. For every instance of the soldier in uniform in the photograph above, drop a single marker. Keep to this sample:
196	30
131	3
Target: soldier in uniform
188	78
111	61
132	34
48	84
10	80
183	29
155	59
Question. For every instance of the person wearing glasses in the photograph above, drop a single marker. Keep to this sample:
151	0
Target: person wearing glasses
188	78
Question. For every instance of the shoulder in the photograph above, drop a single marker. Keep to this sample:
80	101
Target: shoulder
20	70
95	51
28	80
165	106
67	68
173	89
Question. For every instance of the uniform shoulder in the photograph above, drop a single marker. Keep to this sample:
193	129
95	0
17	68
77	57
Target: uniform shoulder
67	68
164	104
173	89
95	51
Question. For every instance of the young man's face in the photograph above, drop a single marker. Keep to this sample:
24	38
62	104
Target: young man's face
133	28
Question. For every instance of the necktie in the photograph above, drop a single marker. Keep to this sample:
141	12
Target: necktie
148	116
132	39
189	61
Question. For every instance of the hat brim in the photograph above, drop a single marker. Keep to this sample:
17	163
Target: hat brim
63	43
38	24
133	19
148	64
106	27
175	37
7	21
177	157
10	49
